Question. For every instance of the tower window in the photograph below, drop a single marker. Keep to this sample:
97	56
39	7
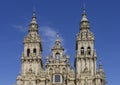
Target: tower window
57	78
37	81
62	78
89	51
28	52
82	50
101	80
50	70
64	70
57	56
34	51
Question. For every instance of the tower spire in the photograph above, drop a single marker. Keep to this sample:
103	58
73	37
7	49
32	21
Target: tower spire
100	64
34	16
57	35
100	67
84	8
84	15
34	10
33	24
84	24
57	42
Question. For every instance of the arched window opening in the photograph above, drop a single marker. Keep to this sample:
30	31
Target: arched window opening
28	52
94	81
50	70
64	70
34	51
57	56
89	51
37	81
57	78
101	80
62	78
82	50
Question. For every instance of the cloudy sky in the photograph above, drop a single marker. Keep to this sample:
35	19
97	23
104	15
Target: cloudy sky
63	17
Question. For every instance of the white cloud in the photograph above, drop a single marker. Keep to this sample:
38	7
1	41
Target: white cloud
48	37
20	28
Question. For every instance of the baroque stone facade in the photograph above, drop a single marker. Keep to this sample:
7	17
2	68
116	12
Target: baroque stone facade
57	69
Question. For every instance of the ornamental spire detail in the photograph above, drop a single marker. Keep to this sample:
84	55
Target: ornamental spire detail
84	24
33	25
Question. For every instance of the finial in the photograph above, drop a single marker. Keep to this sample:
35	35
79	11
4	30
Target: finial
84	15
100	64
34	10
100	68
84	24
84	8
34	16
57	35
57	41
100	61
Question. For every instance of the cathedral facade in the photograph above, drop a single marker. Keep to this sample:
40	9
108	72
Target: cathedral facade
57	69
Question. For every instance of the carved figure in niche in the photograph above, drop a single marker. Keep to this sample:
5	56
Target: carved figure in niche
50	70
57	70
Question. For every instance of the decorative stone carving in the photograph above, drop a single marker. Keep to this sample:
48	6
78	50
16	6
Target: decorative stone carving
34	72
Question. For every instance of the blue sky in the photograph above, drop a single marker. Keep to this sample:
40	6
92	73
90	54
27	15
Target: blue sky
61	16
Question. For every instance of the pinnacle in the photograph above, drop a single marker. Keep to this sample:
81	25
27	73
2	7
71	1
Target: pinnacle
84	16
100	64
57	38
34	18
33	24
57	43
84	24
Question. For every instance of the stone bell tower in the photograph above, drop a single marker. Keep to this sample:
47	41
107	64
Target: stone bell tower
85	53
31	59
85	60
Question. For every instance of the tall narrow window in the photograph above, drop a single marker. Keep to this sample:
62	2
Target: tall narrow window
64	70
101	80
82	50
57	56
50	70
28	52
57	78
34	51
89	51
37	81
62	78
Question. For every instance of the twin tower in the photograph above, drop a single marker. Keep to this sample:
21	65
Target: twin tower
57	70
